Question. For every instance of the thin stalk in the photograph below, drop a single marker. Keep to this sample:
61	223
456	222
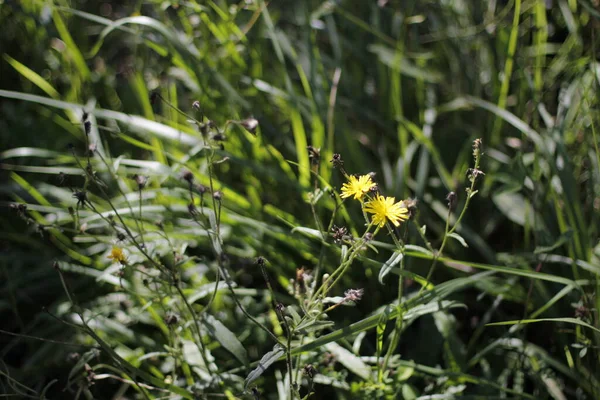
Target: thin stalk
475	172
353	252
399	320
142	249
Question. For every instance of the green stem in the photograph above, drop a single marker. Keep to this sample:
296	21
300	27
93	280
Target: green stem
447	231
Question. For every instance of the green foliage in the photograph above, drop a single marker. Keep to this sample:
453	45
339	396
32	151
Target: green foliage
175	223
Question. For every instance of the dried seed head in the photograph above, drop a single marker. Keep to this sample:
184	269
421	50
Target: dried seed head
188	177
261	261
196	105
300	279
477	145
218	195
192	209
339	233
474	173
353	295
204	129
411	205
87	126
250	124
314	154
81	197
21	209
219	137
200	188
337	161
309	370
451	197
328	359
582	311
171	319
141	181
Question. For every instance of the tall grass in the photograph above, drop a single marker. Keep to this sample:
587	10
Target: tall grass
173	223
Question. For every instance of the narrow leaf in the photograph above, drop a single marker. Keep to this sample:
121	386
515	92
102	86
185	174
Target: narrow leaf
264	363
389	264
349	360
532	321
227	338
456	236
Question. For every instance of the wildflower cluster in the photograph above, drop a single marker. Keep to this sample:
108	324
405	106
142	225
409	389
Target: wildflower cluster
382	208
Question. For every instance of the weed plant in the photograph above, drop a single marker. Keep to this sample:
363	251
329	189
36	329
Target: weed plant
300	200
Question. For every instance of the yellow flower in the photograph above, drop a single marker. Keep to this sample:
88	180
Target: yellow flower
384	208
357	187
117	255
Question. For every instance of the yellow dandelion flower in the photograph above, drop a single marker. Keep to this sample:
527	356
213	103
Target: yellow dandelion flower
384	208
357	187
117	255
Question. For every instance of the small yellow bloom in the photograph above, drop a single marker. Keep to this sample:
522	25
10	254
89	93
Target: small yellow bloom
117	255
357	187
384	208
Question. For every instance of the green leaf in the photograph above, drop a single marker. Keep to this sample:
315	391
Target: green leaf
532	321
309	232
313	325
227	338
146	22
460	239
395	258
85	358
207	289
33	77
514	207
133	123
426	141
381	324
264	363
72	48
371	322
295	316
301	144
388	57
511	119
564	238
349	360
